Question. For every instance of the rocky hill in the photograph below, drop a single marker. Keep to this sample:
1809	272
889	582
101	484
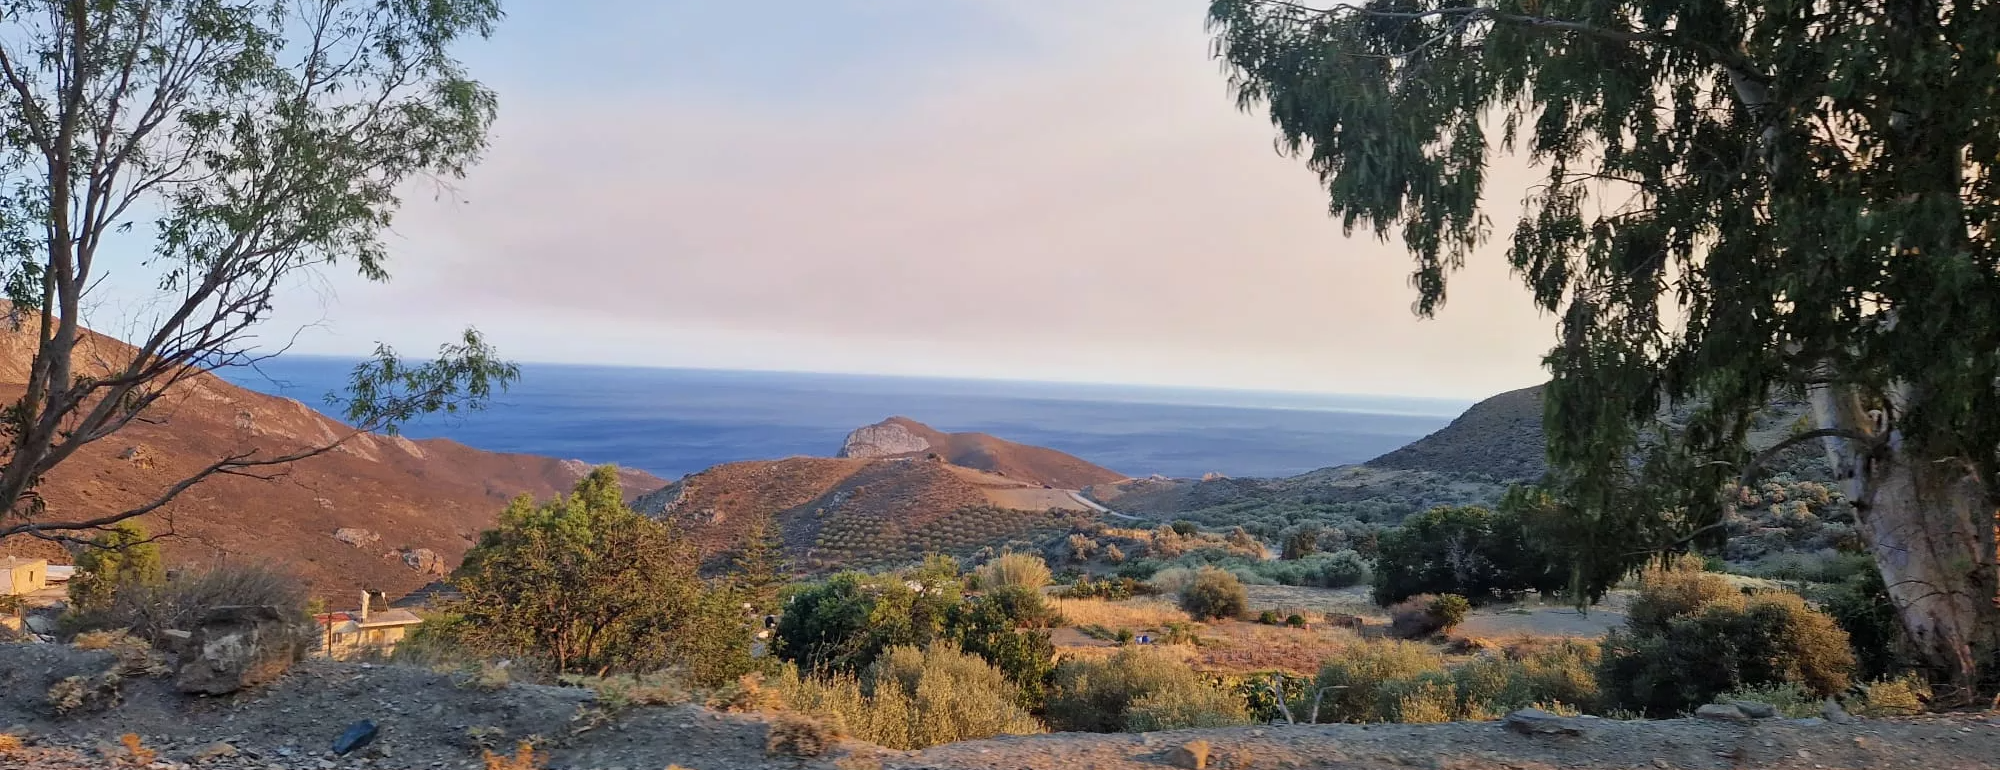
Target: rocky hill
833	513
403	510
1500	437
904	437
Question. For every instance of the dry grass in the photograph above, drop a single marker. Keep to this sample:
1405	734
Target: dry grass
793	735
1238	647
1317	601
1136	614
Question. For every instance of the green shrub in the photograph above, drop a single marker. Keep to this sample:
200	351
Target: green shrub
1860	604
1268	617
123	556
1214	594
1137	689
1691	637
1295	620
910	699
1469	551
1013	569
1185	528
1417	617
1369	679
1450	610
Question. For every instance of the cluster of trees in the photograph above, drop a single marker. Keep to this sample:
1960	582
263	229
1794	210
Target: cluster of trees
1469	551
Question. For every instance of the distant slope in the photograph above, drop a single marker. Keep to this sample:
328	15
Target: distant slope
836	513
396	495
1500	437
904	437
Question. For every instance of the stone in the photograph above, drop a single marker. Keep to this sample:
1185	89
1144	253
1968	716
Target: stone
1192	755
357	537
1532	721
40	623
238	646
1727	712
425	560
213	751
1756	710
357	735
1834	713
883	439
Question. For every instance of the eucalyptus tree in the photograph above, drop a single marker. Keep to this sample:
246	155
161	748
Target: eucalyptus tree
216	150
1737	199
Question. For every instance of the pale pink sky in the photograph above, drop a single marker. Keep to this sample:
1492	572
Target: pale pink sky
1044	189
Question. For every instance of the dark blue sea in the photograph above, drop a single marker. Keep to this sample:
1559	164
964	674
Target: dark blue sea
673	422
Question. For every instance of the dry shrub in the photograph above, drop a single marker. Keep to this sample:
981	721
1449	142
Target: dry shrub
748	694
1172	580
1677	589
796	735
1559	675
79	694
10	743
179	603
523	758
136	752
1899	697
1101	695
1425	615
622	691
1151	612
1022	570
135	657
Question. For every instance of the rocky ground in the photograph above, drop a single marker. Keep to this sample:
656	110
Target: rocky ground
433	720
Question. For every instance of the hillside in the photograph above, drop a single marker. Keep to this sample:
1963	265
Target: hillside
1500	437
412	508
843	512
1471	461
904	437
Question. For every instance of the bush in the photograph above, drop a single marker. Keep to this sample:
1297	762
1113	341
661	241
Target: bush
148	609
1214	594
1185	528
910	699
1269	617
1172	580
1691	637
1469	551
1013	569
1341	569
1296	620
1450	610
1418	616
1370	678
1860	604
124	556
1138	688
791	735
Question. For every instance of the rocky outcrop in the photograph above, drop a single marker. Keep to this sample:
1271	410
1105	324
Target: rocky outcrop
356	536
240	646
883	439
426	561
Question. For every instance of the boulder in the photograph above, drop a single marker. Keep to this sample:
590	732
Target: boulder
354	536
1192	755
1756	710
883	439
1727	712
234	647
426	561
1533	721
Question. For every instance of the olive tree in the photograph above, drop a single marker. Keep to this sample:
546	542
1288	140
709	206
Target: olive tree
1739	200
221	149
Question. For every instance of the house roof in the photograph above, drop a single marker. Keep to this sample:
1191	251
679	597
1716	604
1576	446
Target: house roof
382	619
431	593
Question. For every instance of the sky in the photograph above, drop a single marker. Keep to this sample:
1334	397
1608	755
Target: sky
1019	189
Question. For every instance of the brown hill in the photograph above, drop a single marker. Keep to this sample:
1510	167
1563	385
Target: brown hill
1500	437
393	495
904	437
834	513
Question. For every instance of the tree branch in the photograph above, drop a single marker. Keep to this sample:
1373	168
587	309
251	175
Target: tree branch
1765	457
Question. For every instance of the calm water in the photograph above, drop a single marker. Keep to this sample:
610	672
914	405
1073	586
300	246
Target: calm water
677	421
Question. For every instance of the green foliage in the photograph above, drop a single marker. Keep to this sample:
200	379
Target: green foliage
1185	528
123	557
910	699
1269	617
1792	205
588	586
1138	689
1860	605
1690	637
1109	589
1008	628
1450	610
1398	681
1468	551
1022	570
220	141
757	568
1370	678
1302	541
1214	593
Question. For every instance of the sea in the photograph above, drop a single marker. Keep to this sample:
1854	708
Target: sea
672	422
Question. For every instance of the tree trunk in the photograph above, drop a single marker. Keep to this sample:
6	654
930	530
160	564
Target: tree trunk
1929	522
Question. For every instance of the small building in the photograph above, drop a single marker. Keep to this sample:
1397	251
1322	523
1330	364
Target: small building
366	632
20	577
